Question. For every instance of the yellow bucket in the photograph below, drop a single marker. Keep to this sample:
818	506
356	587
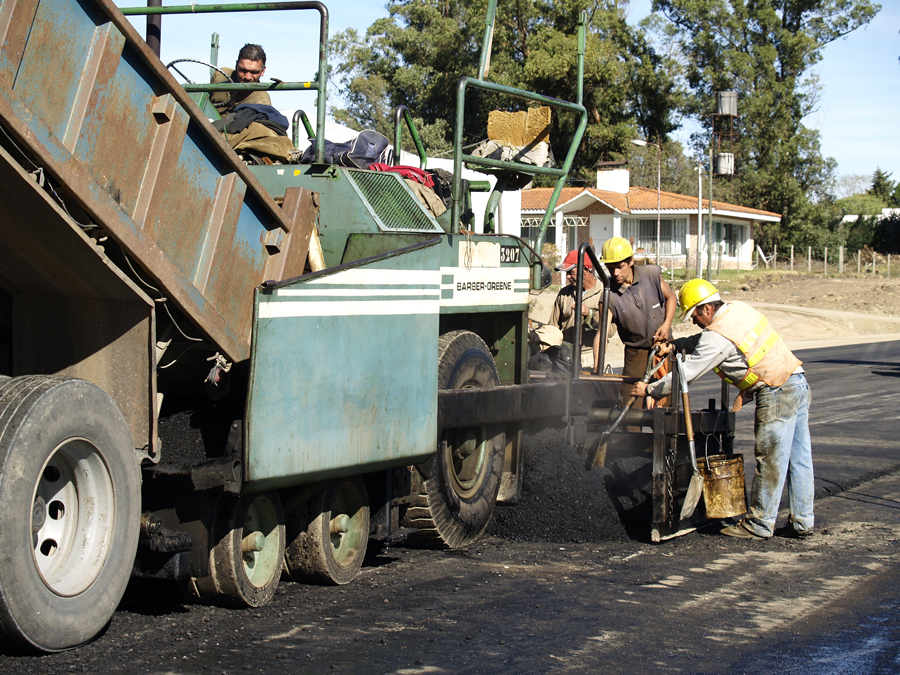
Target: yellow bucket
724	490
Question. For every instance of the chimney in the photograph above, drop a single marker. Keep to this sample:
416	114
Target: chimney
613	177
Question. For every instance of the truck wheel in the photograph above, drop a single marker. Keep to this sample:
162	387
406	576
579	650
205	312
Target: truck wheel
246	552
69	511
328	537
463	478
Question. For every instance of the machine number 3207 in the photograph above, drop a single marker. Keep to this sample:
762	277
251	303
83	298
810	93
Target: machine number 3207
510	254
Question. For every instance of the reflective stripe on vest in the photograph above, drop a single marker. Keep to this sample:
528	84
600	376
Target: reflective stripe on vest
756	344
749	380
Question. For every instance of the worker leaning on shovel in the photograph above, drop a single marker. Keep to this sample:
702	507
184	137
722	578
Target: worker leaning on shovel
740	345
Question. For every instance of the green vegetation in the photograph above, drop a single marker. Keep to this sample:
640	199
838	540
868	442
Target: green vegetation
639	82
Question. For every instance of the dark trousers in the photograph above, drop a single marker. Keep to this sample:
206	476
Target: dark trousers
635	366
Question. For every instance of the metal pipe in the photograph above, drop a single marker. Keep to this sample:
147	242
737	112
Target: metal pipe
321	81
484	64
698	263
633	418
458	156
299	116
586	250
401	111
154	28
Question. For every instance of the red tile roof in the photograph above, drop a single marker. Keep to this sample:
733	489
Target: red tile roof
636	199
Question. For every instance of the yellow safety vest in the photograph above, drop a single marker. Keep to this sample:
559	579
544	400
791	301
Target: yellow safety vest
768	357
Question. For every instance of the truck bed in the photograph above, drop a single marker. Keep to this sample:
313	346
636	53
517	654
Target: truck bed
96	111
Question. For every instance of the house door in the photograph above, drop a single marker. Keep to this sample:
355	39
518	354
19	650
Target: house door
601	229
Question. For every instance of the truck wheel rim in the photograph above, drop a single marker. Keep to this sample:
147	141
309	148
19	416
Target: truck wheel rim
346	533
260	562
465	458
72	517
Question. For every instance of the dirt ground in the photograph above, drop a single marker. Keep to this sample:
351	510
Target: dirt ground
806	310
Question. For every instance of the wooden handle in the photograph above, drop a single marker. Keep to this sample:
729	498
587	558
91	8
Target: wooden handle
688	422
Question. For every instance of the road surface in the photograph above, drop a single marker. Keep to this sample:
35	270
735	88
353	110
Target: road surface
702	603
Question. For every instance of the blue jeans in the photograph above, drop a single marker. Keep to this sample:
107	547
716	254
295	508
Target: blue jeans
783	453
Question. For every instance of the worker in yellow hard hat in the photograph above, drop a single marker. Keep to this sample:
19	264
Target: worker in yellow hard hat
642	308
738	343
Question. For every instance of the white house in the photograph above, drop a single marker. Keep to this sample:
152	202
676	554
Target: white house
615	209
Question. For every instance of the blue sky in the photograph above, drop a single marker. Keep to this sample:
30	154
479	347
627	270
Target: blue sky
857	116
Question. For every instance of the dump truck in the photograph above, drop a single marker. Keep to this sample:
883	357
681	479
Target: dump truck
349	367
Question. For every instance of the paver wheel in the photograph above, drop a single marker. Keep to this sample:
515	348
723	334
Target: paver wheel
463	478
69	511
328	538
246	552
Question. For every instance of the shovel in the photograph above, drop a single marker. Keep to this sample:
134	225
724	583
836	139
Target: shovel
695	489
600	449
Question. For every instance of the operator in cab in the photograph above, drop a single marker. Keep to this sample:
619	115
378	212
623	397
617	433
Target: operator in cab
642	308
255	130
249	68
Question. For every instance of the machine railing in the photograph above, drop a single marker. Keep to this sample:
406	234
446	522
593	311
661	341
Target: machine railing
319	85
561	175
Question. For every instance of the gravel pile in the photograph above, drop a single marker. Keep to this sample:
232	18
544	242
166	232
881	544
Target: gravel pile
560	502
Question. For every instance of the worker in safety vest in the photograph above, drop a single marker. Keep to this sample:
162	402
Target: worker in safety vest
743	349
642	307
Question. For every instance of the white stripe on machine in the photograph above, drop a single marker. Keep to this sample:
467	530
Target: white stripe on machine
355	307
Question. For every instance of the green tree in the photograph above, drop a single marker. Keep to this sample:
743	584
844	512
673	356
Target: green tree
417	54
860	205
763	50
887	235
882	186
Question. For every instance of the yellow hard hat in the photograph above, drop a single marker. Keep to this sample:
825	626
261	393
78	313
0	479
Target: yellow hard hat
616	250
694	293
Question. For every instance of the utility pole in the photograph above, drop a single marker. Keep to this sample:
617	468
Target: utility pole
709	248
642	143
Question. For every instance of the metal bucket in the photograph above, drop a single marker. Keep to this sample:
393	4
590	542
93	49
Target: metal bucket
724	490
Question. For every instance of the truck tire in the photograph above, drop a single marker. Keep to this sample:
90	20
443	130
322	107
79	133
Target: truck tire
69	511
246	552
463	477
328	537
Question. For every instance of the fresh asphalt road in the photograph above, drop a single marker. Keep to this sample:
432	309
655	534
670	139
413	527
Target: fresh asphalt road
854	415
700	603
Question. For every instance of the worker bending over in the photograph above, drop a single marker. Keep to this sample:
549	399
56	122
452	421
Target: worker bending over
740	345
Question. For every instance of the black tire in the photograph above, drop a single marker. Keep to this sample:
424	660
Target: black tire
238	577
69	511
329	536
463	478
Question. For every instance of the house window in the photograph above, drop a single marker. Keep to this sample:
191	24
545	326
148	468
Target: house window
727	238
642	232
